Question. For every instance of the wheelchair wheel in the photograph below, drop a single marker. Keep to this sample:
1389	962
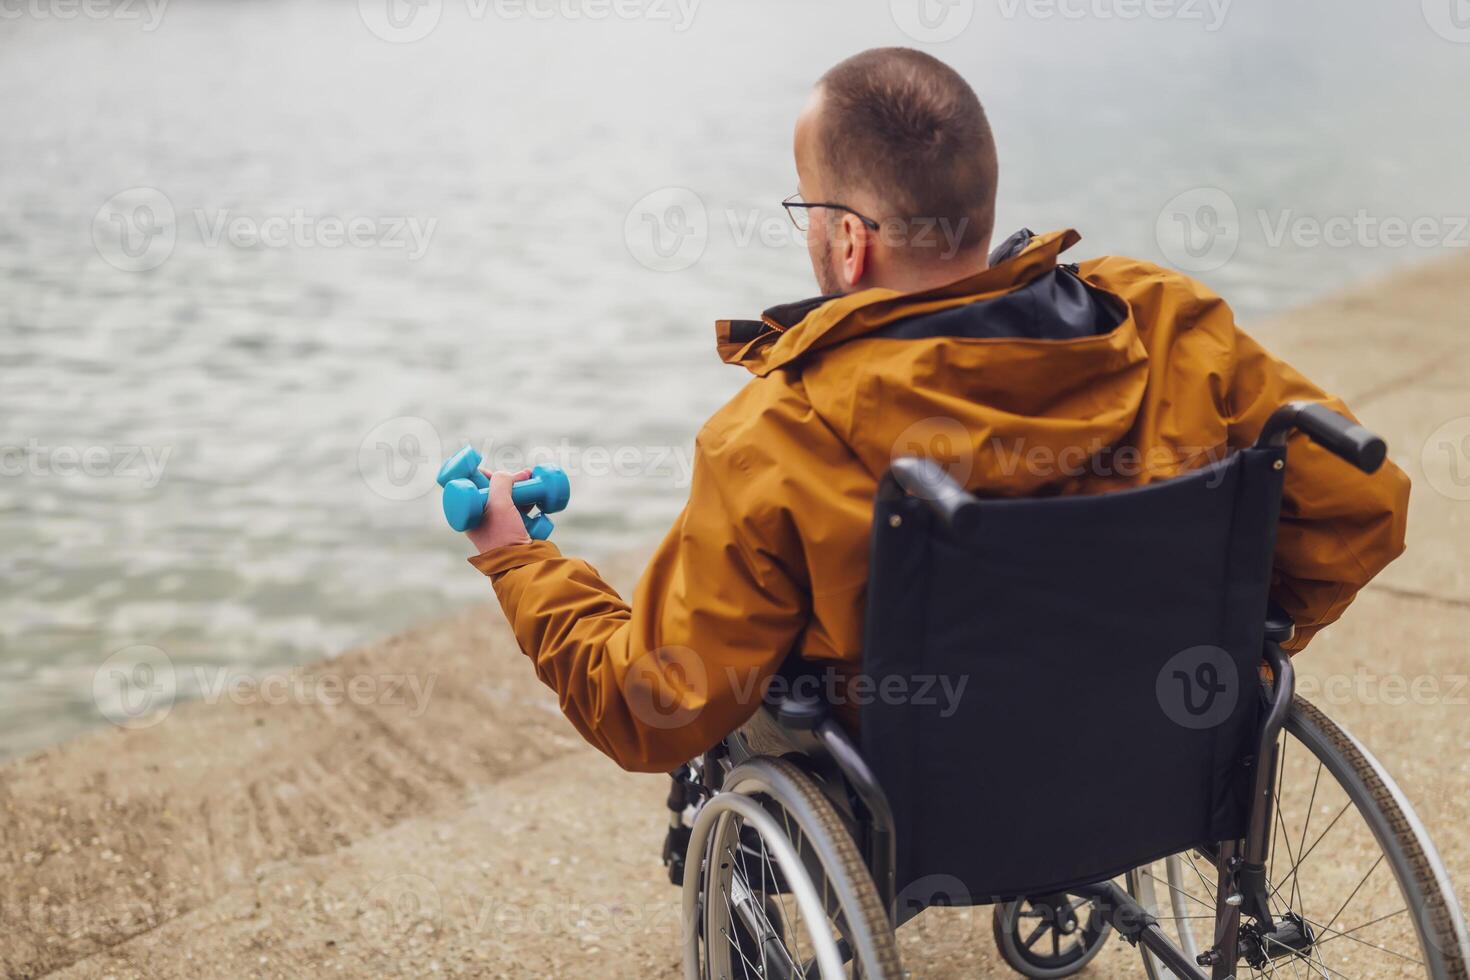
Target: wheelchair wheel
774	886
1352	877
1049	936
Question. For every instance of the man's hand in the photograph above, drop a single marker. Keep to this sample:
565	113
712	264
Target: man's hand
501	524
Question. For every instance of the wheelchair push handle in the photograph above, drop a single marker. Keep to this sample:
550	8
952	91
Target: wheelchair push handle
926	480
1338	435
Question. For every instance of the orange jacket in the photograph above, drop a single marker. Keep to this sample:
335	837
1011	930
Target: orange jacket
1026	378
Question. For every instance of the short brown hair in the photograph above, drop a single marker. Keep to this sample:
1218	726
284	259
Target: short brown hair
907	128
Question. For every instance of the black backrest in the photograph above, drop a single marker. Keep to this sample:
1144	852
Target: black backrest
1071	688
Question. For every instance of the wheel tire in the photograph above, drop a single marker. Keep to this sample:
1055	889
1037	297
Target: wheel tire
828	843
1417	868
1003	925
1416	865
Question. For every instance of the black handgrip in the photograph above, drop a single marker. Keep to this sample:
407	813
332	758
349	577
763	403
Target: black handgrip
1338	435
925	480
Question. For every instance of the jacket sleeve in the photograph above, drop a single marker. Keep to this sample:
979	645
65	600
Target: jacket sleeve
713	616
1339	526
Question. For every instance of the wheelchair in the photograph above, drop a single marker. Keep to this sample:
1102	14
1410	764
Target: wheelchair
1128	756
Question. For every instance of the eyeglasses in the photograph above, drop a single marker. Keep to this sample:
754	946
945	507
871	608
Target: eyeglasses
797	210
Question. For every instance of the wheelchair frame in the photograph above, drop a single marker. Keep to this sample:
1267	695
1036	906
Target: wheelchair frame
804	726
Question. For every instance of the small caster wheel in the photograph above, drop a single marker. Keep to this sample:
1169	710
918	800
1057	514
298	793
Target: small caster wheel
1049	936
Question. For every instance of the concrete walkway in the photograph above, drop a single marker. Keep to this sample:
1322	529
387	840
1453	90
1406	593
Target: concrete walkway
482	838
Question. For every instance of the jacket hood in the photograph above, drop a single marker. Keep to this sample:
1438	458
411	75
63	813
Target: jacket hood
1014	377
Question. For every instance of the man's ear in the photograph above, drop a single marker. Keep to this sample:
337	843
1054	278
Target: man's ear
855	253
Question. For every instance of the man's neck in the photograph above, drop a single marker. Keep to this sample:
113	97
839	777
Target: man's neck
931	275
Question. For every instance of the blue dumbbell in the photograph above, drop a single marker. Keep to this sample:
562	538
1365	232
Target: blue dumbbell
463	465
466	491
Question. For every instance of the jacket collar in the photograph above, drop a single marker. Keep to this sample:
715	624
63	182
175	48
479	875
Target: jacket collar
787	332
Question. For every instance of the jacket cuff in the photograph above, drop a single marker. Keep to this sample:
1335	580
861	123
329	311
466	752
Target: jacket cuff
504	558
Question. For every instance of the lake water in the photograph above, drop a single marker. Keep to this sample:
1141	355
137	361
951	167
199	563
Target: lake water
260	266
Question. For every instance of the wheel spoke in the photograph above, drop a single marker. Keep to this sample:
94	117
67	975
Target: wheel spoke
1364	942
788	921
1198	874
1176	918
1377	911
1280	780
1370	922
1181	891
1291	856
1297	956
745	964
1306	823
1292	873
734	943
757	903
1354	893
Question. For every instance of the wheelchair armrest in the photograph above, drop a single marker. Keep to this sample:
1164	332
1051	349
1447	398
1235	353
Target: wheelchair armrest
1279	626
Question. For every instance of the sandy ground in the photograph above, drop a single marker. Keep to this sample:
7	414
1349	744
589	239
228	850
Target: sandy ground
480	837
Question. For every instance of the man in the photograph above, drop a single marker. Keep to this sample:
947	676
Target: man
1022	375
